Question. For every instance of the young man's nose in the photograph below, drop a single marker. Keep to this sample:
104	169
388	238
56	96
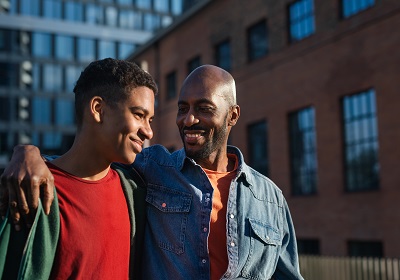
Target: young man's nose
146	131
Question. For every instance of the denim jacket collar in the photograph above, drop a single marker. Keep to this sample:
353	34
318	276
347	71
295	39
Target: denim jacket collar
243	168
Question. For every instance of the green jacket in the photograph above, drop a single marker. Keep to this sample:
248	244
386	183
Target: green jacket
29	254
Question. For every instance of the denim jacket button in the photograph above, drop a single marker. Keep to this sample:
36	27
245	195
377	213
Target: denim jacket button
203	261
232	244
231	216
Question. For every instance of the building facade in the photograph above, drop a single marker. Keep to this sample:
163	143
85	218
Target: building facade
317	83
44	45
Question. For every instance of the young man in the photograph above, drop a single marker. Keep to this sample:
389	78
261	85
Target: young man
209	215
90	231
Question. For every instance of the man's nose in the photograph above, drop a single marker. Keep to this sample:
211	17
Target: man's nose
190	120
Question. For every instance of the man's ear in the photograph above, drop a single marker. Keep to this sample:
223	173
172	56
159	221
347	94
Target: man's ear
234	115
97	109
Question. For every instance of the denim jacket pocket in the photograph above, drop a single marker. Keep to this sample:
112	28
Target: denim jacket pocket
167	216
265	242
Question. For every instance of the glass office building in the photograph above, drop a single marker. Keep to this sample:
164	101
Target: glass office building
44	45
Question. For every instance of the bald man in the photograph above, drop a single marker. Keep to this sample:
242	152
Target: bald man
209	214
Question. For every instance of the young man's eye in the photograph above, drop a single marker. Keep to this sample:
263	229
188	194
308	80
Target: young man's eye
139	115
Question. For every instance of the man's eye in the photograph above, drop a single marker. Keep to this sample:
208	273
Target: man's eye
182	110
205	109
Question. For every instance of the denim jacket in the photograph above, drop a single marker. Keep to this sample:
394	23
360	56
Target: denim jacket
261	241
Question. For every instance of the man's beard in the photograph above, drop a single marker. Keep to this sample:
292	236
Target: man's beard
211	145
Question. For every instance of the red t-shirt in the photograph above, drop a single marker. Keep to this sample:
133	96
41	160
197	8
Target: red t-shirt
95	228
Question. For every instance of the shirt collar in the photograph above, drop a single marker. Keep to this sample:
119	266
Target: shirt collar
242	171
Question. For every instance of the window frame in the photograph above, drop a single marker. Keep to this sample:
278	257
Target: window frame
253	129
303	172
356	182
254	53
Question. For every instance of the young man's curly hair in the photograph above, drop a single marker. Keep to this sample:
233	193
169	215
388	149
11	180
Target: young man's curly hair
112	80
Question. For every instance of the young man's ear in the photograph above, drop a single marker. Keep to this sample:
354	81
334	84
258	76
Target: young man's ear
96	108
234	115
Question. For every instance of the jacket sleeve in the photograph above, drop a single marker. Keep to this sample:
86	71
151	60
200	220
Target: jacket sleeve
29	254
288	262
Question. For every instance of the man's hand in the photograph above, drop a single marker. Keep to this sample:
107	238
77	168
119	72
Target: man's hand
21	182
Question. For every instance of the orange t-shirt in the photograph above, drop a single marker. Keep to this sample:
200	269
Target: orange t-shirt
217	247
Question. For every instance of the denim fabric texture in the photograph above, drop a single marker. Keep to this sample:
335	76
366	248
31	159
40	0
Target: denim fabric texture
261	240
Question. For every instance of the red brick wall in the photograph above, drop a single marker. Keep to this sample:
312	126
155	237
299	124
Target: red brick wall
341	58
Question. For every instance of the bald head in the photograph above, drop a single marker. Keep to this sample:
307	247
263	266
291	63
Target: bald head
215	77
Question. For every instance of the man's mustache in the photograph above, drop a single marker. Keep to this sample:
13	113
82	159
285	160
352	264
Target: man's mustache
193	127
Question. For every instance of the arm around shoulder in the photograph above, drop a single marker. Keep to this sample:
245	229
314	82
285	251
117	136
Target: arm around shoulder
21	182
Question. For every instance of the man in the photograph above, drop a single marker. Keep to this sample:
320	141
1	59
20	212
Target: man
209	215
90	232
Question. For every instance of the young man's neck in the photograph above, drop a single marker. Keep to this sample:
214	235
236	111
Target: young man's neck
84	162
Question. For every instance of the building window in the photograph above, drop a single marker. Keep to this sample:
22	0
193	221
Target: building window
41	44
171	85
5	36
193	64
5	112
151	22
176	7
361	141
308	246
94	14
51	141
352	7
301	19
52	9
41	111
303	152
86	49
143	4
73	11
257	143
64	112
161	6
124	2
257	41
127	19
125	49
223	55
72	74
52	78
365	248
107	49
64	47
30	7
4	142
111	16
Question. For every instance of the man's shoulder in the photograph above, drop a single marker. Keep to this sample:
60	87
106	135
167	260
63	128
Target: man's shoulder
263	187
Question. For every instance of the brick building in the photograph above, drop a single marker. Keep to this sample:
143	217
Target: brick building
317	83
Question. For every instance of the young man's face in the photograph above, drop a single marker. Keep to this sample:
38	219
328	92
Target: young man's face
127	125
202	119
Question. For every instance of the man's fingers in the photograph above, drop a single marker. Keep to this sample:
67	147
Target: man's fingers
3	200
48	196
15	215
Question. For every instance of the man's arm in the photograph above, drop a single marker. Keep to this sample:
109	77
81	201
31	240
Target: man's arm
21	182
